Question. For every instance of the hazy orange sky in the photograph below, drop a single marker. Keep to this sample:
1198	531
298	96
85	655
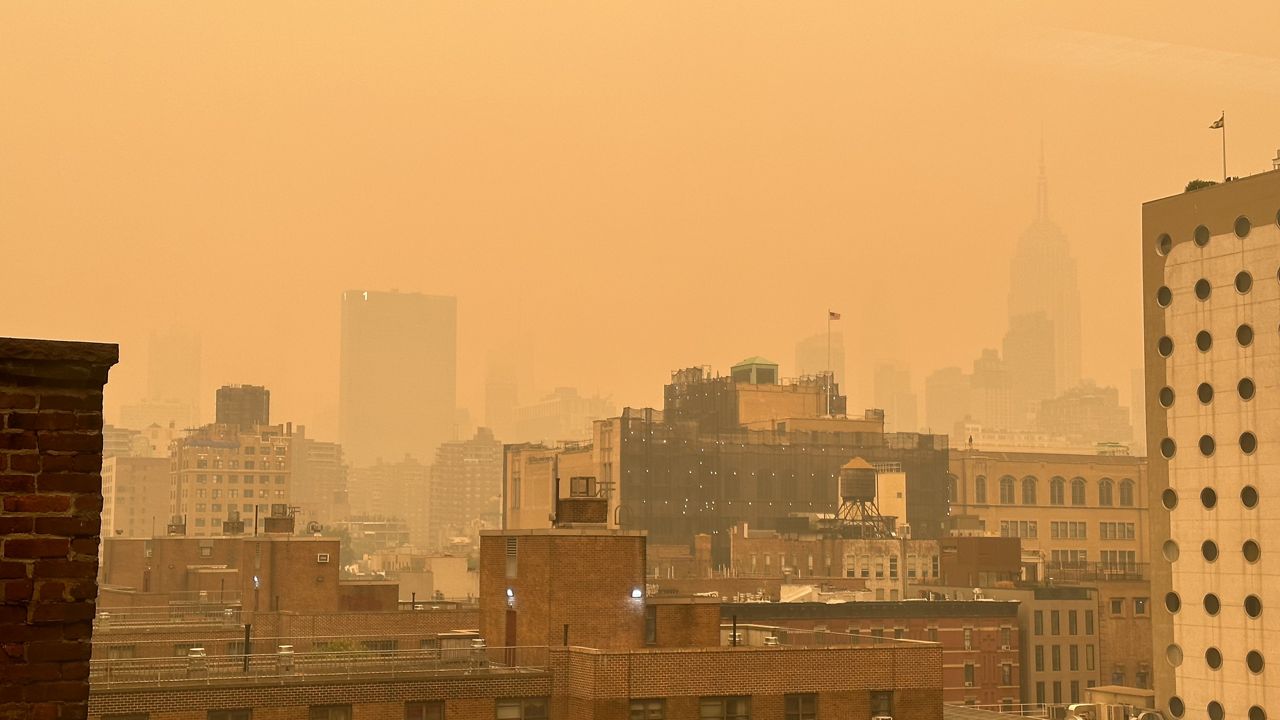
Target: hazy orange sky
615	188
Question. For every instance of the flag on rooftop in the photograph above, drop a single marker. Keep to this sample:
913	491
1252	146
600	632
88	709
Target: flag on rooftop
833	315
1219	123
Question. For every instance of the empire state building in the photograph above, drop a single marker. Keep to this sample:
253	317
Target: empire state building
1043	289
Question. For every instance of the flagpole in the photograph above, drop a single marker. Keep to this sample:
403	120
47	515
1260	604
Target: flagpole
829	377
1224	146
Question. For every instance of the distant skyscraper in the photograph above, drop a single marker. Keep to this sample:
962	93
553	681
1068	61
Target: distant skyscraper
946	399
1043	280
894	395
989	390
1029	360
319	480
562	415
811	356
245	406
398	375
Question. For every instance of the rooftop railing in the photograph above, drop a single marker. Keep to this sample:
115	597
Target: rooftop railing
285	666
181	614
752	635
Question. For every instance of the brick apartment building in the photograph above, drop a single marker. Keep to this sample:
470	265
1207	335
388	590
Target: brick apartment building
627	656
272	572
980	640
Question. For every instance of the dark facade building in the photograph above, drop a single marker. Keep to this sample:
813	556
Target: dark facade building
244	406
726	452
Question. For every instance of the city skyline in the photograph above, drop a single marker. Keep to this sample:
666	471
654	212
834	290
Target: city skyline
635	191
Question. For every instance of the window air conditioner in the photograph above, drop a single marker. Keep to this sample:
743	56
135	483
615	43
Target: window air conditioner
322	557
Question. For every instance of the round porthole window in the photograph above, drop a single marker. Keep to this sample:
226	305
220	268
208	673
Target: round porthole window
1204	391
1201	236
1203	288
1208	498
1172	602
1253	606
1242	227
1166	397
1246	388
1244	282
1249	496
1169	498
1209	549
1212	604
1164	346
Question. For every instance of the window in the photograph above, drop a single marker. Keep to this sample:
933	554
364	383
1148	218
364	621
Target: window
933	634
893	567
1055	621
1068	530
1028	491
1117	606
1006	674
1075	559
1073	657
582	487
241	714
801	707
1126	493
725	708
1106	491
424	710
1088	622
1057	491
1055	655
522	709
1122	560
1139	606
1040	692
329	712
650	625
1077	491
1006	490
882	703
968	674
1088	658
1006	637
1039	658
968	638
648	709
1057	691
1019	528
1072	617
980	490
1039	622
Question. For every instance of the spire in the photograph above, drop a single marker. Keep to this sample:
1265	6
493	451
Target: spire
1042	189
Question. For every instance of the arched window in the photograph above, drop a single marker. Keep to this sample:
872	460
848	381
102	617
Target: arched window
1028	490
1106	492
1126	493
1057	491
1077	491
980	490
1006	490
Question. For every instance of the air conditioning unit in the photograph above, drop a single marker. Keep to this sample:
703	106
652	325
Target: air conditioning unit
322	557
968	683
882	717
1004	647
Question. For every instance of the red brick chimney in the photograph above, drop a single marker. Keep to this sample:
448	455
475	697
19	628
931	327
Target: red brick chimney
50	516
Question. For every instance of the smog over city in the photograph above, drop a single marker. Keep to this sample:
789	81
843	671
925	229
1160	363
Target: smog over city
638	361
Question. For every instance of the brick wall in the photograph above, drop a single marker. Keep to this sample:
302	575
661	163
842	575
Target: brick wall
51	495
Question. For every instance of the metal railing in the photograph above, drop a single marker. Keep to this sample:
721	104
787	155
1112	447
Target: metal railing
168	615
285	666
753	635
1112	572
1063	711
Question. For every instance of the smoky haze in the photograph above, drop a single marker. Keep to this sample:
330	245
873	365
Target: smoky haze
611	190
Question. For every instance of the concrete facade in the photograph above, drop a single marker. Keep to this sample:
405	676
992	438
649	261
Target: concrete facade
1212	355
